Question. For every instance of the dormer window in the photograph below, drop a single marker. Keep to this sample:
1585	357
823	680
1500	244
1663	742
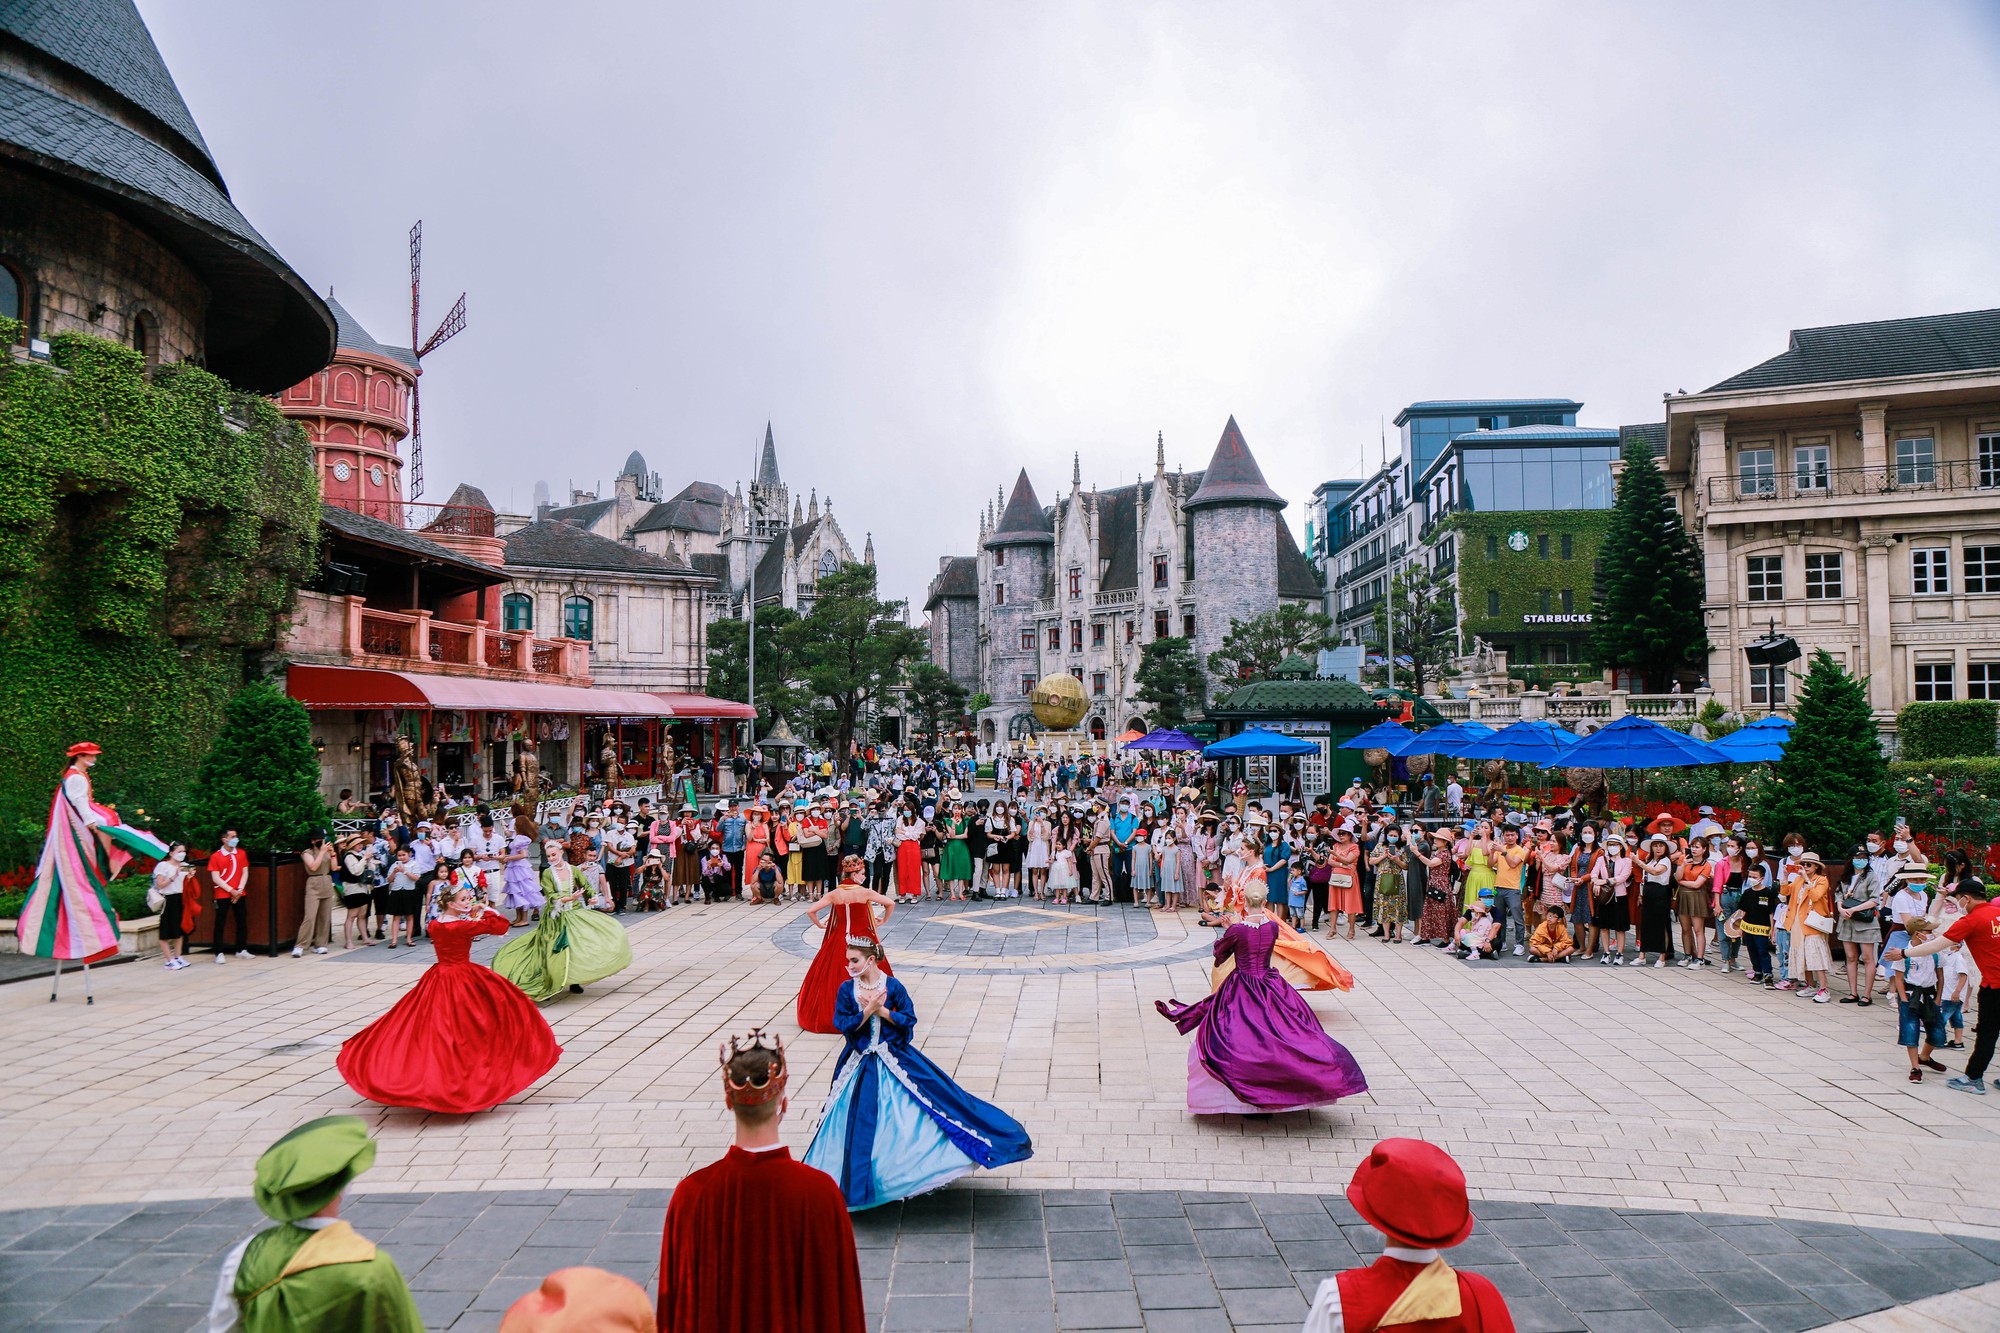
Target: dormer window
1159	571
1075	581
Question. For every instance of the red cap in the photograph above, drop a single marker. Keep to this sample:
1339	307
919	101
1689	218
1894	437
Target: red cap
1413	1193
85	747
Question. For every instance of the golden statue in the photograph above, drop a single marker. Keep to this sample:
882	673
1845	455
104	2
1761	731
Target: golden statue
413	795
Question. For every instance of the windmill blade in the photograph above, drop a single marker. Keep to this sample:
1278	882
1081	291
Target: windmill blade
416	276
416	486
453	325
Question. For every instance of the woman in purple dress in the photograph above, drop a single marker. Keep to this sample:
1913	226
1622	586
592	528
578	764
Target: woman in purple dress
1261	1048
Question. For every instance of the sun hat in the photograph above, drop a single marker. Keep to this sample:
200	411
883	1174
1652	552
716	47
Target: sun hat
1413	1193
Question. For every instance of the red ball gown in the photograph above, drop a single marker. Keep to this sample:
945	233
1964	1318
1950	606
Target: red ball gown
821	987
463	1039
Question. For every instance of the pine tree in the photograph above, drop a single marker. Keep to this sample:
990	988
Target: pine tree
261	776
1833	785
1647	603
1169	682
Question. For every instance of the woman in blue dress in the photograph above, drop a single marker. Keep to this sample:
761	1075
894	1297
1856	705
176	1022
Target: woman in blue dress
894	1125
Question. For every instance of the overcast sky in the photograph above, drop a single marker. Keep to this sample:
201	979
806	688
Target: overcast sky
933	243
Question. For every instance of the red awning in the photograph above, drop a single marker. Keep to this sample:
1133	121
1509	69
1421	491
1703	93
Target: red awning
365	687
687	706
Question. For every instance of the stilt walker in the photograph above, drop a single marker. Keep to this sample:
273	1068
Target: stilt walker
68	914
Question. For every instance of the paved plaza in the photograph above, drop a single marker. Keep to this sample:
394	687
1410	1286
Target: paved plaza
1646	1149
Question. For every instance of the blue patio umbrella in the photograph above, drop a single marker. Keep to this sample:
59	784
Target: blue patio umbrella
1166	738
1256	740
1529	741
1386	735
1636	742
1444	740
1762	741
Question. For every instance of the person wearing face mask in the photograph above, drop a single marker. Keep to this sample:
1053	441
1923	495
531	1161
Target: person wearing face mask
1391	863
170	879
1583	861
229	872
1787	877
1857	907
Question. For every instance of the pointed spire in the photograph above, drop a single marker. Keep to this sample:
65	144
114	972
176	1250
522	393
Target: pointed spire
1076	473
1160	456
812	505
1233	477
868	550
798	515
767	466
1024	520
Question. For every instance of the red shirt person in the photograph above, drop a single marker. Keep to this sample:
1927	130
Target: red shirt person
758	1242
1414	1194
229	869
1979	931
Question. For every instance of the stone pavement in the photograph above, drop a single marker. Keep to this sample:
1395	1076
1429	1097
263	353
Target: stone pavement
1026	1261
1653	1090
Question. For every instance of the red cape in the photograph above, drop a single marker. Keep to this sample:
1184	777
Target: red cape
759	1243
1367	1293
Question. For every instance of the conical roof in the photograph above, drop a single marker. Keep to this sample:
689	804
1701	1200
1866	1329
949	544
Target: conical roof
351	337
635	465
1233	477
767	466
86	98
1024	521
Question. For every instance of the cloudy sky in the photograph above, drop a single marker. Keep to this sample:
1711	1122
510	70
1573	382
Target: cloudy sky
933	243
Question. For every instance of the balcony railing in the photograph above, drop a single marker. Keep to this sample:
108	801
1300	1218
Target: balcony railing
1125	597
450	644
387	635
1841	483
419	639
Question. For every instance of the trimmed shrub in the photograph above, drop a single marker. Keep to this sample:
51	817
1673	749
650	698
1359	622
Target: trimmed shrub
1957	729
261	776
1833	784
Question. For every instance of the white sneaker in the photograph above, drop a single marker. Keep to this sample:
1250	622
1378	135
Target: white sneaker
1659	962
1518	951
298	953
319	948
1725	969
168	964
222	958
242	953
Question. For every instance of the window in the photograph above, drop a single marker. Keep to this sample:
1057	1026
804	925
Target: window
1555	654
1076	636
1492	601
1930	570
1542	601
999	557
517	613
999	594
1187	624
1097	635
1568	602
1986	461
1075	581
1568	546
1492	546
1812	467
1129	631
1097	682
1916	461
1982	569
1764	578
1542	546
1767	686
1055	638
1161	624
146	337
1159	571
1077	672
1934	680
1982	680
1757	471
1823	575
1028	640
577	618
1027	684
14	298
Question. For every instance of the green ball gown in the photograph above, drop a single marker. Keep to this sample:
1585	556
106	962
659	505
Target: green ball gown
573	945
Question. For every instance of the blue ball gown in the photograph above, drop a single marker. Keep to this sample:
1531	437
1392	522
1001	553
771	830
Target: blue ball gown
894	1125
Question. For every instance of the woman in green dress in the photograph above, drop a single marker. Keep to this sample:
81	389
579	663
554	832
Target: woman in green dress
572	946
955	867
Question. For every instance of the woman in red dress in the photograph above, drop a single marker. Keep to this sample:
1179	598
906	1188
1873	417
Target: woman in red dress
850	910
463	1039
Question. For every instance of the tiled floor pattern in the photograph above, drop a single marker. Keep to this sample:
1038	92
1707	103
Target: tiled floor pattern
1026	1261
1023	936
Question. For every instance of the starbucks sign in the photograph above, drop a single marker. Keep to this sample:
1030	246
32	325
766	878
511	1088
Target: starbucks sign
1578	618
1517	541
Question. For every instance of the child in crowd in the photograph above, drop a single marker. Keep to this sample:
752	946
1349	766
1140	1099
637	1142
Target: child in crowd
651	883
1298	890
767	879
1918	1014
1168	844
1957	982
1552	942
1475	931
406	898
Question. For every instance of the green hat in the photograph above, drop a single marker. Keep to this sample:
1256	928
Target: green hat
308	1168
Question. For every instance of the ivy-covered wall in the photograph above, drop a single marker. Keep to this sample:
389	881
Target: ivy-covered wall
153	530
1520	577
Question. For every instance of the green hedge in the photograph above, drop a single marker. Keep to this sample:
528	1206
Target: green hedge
1961	728
128	899
1983	773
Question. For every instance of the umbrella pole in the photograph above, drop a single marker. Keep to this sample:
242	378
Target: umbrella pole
88	998
55	986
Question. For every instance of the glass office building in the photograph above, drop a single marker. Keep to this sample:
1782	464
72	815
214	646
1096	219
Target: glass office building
1429	426
1549	469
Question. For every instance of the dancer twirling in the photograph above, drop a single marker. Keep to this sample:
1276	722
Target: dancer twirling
1259	1047
894	1125
847	912
572	946
1297	959
462	1039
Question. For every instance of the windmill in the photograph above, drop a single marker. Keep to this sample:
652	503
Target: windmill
452	325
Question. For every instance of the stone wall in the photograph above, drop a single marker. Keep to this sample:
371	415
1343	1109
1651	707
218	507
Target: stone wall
1235	570
89	271
955	640
1025	576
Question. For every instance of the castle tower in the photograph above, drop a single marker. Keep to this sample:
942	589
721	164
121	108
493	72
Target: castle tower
1233	518
356	412
1014	575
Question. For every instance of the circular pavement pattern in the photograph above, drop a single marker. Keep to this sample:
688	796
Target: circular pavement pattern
1023	935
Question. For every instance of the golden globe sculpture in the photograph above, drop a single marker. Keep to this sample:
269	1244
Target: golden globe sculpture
1057	701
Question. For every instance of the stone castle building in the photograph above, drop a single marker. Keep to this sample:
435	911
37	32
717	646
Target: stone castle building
766	543
1084	584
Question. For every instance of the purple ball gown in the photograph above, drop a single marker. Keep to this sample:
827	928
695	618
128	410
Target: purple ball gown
1260	1048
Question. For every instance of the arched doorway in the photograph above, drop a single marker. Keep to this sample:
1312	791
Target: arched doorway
986	731
1139	725
1097	728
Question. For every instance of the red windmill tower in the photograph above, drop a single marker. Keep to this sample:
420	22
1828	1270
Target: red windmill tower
450	327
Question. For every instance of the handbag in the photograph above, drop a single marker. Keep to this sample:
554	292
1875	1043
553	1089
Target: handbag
1820	922
1340	880
155	900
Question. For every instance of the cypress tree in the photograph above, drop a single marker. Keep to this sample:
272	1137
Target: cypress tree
1647	602
1833	785
261	776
